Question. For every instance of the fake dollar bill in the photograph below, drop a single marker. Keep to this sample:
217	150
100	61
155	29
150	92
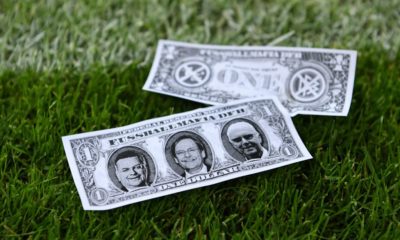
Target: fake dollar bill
306	80
162	156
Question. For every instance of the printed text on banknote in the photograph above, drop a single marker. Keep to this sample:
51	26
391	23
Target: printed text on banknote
306	80
162	156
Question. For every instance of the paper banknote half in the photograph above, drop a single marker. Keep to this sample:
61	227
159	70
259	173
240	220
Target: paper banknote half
306	80
162	156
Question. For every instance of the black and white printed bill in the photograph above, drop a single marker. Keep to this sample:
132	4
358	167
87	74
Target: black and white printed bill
162	156
306	80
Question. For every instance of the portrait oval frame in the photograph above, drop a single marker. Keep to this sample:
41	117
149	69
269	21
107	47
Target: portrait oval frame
228	146
208	161
138	151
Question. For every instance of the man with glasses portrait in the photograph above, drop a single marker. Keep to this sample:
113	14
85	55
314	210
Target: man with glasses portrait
189	153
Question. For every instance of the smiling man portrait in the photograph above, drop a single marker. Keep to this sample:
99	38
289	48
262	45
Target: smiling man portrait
189	153
131	168
245	139
131	171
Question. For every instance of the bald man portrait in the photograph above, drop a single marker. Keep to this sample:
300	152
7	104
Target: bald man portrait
245	138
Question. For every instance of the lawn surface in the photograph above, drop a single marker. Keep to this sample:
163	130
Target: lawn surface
68	67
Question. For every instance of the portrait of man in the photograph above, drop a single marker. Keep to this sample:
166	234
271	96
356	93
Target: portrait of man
131	171
247	140
188	154
130	168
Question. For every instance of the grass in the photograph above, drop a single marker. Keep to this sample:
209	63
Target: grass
71	67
